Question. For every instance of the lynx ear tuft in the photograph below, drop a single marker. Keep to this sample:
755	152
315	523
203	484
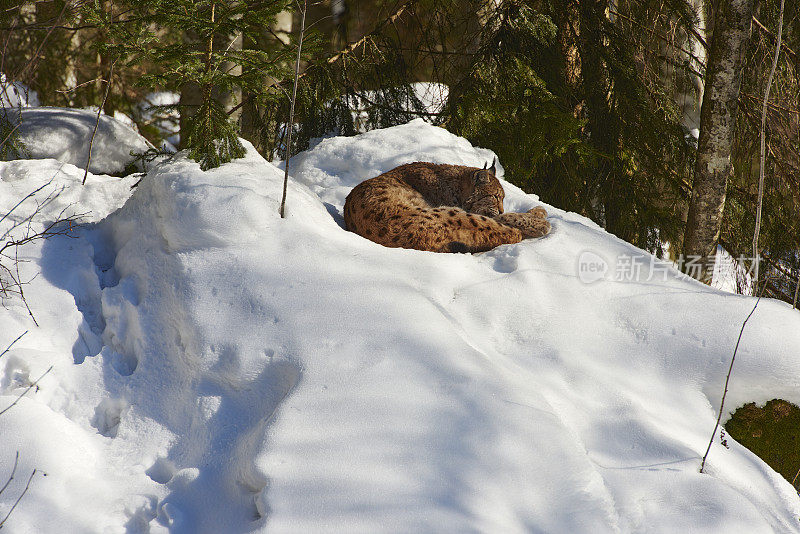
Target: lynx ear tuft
484	166
493	168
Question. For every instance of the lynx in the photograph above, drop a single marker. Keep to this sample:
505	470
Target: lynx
439	208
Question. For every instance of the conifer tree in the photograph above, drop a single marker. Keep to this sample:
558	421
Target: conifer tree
193	42
569	96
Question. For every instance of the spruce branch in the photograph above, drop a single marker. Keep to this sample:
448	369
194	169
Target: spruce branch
11	133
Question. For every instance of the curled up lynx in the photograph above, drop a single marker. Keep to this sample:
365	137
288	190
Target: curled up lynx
440	208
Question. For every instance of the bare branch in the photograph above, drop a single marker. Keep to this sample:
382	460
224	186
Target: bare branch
9	348
21	230
728	378
21	495
11	477
393	17
33	385
764	29
290	125
763	142
97	123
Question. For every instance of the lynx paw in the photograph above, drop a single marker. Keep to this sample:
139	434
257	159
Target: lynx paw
531	224
539	212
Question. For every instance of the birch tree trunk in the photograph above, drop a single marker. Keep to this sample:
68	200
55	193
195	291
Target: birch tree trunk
713	167
687	88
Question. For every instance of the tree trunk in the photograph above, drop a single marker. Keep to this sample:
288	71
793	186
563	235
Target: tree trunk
687	88
252	120
191	98
229	98
713	167
339	13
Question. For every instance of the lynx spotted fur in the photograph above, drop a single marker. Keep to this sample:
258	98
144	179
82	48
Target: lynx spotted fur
440	208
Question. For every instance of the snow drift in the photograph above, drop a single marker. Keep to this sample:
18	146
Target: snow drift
65	134
219	369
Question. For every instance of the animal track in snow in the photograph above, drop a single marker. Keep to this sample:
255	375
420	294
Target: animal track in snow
161	471
16	375
506	259
141	509
124	364
108	416
69	264
236	415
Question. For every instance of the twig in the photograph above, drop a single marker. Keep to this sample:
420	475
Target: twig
37	55
21	495
4	410
728	378
97	123
9	348
796	288
764	29
11	477
334	58
795	477
670	42
61	225
763	142
290	125
29	195
773	106
64	91
22	292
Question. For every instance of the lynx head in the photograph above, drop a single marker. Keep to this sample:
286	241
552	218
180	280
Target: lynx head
484	192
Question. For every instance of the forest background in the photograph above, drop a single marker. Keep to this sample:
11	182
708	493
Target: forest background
593	105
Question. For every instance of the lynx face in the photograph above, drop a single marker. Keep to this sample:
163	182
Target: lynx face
486	196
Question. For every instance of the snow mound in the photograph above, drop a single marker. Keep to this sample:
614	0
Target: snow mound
220	369
337	164
64	134
61	181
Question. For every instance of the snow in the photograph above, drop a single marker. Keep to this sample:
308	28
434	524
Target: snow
219	369
65	134
734	275
16	94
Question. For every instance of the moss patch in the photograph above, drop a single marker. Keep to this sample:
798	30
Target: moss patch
772	433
